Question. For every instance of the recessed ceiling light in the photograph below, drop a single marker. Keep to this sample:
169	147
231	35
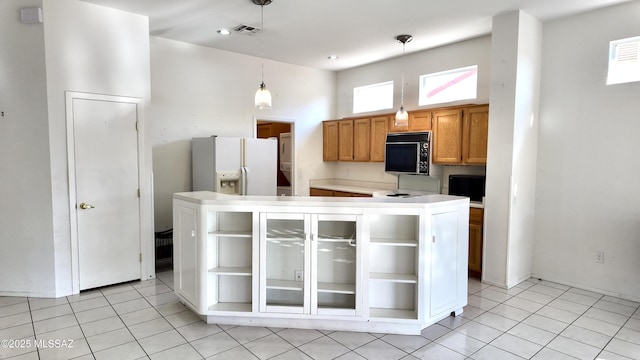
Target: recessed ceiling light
223	31
332	57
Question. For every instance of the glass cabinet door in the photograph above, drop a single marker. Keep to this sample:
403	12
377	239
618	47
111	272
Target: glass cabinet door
309	264
284	263
335	279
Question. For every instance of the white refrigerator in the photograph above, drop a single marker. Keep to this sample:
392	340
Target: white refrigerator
239	166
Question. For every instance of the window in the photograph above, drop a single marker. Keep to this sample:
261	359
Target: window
447	86
373	97
624	62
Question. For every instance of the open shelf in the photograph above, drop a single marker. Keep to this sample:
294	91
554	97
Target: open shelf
240	271
392	313
237	307
399	278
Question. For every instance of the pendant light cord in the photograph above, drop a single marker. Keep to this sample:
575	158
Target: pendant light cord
402	87
262	42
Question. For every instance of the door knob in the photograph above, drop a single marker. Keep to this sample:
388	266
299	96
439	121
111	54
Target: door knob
86	206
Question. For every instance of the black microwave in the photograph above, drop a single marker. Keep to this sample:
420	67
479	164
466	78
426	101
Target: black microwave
471	186
407	153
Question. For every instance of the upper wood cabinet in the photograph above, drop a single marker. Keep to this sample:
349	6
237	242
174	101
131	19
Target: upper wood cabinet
460	135
379	129
420	120
330	140
393	127
361	139
272	129
474	135
345	140
447	137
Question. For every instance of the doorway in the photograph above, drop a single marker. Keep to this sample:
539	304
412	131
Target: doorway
104	184
283	131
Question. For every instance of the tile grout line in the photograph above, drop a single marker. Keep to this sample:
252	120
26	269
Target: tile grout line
614	336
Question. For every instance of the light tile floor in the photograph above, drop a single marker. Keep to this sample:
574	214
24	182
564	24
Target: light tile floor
144	320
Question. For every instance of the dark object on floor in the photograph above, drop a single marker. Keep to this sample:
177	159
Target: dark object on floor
164	250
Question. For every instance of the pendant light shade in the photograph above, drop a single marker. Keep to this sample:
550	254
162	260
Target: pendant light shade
402	117
263	96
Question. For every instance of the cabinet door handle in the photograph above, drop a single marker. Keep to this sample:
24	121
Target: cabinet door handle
433	239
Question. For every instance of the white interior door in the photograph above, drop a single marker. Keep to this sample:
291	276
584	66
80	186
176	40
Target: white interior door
105	158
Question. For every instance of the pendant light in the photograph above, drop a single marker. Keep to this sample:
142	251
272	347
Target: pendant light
402	117
263	96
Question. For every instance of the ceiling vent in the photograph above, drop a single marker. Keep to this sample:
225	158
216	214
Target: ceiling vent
246	29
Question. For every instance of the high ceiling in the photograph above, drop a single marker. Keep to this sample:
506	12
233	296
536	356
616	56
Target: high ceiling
306	32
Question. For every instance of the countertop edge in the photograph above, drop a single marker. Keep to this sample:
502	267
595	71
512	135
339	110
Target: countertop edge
211	198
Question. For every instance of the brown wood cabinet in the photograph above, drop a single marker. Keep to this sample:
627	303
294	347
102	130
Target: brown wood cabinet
459	135
345	140
379	126
331	193
447	137
476	217
361	139
330	140
393	127
420	120
272	129
474	135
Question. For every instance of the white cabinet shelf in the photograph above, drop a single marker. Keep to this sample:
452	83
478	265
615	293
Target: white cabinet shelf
400	278
394	242
236	233
232	307
337	288
238	271
285	285
229	253
392	313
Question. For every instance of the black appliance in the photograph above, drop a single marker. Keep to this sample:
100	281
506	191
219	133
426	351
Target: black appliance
471	186
408	153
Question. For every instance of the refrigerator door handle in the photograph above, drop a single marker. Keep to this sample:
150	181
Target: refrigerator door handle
243	180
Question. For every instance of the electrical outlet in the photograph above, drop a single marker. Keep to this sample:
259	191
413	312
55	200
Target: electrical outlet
600	257
299	275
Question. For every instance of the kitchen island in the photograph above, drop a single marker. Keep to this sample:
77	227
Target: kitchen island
387	265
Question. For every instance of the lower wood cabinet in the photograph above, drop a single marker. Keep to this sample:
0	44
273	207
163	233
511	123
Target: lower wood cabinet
324	192
476	220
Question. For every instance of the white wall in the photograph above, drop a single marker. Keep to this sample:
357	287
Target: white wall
93	49
588	193
26	225
199	91
511	154
80	47
465	53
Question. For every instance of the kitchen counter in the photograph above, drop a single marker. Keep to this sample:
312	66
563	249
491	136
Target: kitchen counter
422	200
378	192
379	264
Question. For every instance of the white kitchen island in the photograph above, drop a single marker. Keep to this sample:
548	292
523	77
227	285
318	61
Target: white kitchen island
385	265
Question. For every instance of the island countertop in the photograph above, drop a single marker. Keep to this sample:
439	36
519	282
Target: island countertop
428	200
